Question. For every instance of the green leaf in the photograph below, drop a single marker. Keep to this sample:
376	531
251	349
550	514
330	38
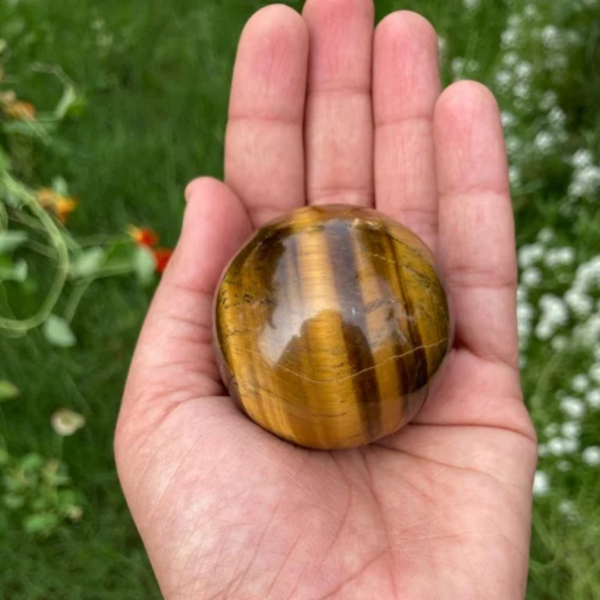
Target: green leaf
13	271
10	199
70	102
11	240
33	129
8	390
58	332
89	262
13	501
26	128
144	265
42	523
3	218
4	162
31	462
60	186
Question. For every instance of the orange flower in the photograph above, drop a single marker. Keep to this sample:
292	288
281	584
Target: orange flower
162	257
21	111
142	236
60	205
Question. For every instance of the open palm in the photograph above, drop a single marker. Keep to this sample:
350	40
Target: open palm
324	110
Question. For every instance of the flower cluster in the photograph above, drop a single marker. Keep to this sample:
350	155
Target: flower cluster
60	205
531	94
558	311
146	238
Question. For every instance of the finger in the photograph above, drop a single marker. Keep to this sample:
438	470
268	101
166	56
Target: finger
476	230
339	121
406	85
264	148
174	358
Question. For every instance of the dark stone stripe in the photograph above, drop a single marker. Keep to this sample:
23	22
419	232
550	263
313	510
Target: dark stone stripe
358	349
379	245
291	280
421	371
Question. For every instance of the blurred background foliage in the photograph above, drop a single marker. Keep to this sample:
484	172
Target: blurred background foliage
150	84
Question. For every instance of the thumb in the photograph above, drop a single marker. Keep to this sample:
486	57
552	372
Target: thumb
174	359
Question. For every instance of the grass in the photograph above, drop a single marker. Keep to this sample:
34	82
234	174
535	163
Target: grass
155	117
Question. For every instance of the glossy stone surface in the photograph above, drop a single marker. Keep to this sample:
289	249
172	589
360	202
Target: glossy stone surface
329	325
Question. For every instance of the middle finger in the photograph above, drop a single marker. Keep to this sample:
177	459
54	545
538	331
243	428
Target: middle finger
339	113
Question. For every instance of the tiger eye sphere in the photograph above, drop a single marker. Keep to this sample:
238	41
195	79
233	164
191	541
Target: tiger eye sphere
329	326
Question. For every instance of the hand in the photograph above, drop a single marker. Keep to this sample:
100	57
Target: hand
442	508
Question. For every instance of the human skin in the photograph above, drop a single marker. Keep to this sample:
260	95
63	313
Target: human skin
325	108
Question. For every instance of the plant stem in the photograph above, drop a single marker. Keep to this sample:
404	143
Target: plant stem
62	256
75	299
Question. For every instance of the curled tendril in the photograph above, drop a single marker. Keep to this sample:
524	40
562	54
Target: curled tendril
62	259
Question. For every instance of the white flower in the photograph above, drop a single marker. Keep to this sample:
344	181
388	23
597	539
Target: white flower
564	465
570	445
522	90
554	309
551	37
559	343
442	45
580	383
531	277
541	484
74	512
525	311
589	176
513	144
544	141
588	333
66	422
514	176
556	117
523	70
582	158
503	78
514	21
542	450
471	4
529	254
509	38
567	509
510	59
545	236
551	430
557	446
557	257
549	100
471	66
544	330
591	456
595	372
571	429
580	304
593	398
508	119
573	407
531	12
458	65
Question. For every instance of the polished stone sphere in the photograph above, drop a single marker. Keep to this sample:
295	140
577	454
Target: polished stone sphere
329	326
